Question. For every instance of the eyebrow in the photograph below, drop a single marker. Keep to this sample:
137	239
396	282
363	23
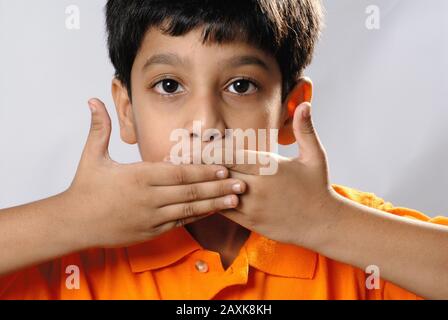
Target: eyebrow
164	58
239	61
174	60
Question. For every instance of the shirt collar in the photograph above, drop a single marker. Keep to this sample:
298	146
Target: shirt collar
269	256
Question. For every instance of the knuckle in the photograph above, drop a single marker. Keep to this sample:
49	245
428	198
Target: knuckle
308	129
192	193
180	175
96	126
188	211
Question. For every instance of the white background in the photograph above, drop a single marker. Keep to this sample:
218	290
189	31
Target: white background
380	102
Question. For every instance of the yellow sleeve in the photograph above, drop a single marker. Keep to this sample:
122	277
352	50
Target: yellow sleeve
371	200
388	290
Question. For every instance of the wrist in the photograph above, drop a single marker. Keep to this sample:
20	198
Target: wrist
325	214
72	232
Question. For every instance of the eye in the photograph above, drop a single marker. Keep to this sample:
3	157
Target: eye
168	87
243	87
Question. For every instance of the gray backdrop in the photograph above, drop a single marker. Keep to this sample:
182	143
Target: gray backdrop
380	99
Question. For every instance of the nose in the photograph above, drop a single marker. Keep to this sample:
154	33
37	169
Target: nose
205	121
211	136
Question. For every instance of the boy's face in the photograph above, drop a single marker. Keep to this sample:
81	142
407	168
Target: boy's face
179	80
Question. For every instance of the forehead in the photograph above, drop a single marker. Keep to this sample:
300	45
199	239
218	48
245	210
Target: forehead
190	46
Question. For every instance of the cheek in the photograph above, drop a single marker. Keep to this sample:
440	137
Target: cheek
262	118
153	140
153	129
265	118
153	149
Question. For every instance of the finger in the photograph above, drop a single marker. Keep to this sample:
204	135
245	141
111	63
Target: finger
166	174
184	211
180	223
305	133
240	160
198	191
250	162
267	163
97	144
244	161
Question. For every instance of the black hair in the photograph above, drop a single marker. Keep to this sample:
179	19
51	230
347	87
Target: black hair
286	29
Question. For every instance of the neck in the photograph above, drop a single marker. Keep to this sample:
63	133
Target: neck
219	234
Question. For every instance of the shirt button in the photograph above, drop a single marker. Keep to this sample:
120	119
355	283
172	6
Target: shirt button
201	266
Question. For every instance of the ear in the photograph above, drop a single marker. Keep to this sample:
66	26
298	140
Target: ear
302	92
125	114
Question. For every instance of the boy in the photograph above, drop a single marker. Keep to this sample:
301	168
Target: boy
232	64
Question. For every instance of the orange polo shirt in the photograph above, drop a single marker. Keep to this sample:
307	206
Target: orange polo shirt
175	266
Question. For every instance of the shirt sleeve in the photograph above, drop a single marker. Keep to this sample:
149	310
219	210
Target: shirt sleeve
371	200
391	291
388	290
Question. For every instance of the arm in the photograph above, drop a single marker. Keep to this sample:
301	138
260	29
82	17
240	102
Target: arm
36	232
111	204
410	253
297	205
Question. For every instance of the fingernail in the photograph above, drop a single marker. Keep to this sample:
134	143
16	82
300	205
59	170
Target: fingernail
92	108
221	174
229	201
237	188
306	111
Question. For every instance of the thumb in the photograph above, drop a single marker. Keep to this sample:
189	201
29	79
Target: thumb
97	145
305	134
